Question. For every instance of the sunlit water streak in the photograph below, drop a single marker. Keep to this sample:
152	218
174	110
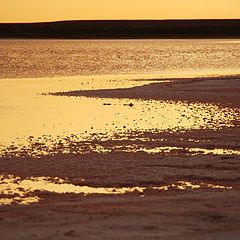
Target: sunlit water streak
26	113
23	191
46	146
176	58
185	150
100	64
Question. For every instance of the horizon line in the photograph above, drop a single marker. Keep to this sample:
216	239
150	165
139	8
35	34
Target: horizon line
120	19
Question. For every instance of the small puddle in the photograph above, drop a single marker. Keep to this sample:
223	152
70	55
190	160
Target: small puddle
187	151
24	191
99	143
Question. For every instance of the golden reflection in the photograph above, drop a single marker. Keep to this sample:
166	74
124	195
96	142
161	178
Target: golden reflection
63	116
19	200
99	143
216	151
21	191
189	150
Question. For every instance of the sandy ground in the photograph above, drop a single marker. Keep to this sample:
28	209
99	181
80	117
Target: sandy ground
224	91
203	213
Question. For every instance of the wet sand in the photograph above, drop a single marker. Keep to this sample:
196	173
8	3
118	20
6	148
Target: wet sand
218	90
204	212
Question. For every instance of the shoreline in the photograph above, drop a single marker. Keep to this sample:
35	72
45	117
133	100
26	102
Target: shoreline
192	213
221	91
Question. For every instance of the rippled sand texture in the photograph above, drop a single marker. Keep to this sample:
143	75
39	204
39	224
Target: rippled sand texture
142	155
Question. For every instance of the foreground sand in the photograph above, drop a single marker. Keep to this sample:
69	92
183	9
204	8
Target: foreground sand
203	213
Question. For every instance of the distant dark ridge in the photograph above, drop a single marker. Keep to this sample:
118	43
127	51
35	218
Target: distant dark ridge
110	29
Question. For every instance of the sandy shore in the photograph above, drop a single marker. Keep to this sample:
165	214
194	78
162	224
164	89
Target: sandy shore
191	213
224	91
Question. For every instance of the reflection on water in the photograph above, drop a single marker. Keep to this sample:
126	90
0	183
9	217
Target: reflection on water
19	200
24	191
28	117
103	143
44	58
38	115
186	150
32	123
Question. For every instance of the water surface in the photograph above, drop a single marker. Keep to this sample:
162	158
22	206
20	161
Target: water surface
34	123
30	69
25	191
48	58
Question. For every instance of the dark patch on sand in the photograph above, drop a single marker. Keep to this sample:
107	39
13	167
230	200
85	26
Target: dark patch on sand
222	91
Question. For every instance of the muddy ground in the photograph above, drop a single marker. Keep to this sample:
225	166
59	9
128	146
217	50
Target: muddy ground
203	213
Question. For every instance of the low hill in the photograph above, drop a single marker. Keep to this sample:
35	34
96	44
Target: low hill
106	29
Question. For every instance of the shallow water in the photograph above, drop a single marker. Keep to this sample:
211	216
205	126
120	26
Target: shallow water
34	123
186	150
28	112
23	191
47	58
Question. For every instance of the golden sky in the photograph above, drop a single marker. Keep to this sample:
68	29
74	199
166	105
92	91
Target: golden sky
51	10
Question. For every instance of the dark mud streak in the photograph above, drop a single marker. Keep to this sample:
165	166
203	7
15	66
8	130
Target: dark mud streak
224	92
